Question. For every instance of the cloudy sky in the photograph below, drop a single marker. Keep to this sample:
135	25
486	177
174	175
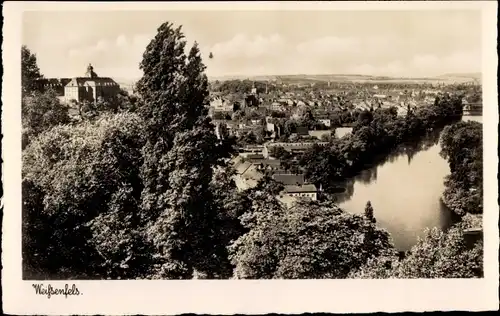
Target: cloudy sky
411	43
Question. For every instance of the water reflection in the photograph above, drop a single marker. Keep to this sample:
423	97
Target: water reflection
405	190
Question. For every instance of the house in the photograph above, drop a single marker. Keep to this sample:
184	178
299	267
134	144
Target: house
325	121
268	164
272	130
254	158
289	179
246	175
319	134
251	150
302	131
275	106
301	191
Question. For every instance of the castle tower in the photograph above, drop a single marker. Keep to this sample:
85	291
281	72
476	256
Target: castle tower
90	72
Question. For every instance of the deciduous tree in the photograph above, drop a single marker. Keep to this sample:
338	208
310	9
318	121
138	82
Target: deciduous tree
179	154
310	240
29	71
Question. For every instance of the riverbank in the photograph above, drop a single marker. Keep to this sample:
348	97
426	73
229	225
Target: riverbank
375	135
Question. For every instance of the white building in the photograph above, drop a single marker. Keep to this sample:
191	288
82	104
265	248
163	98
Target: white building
325	121
301	191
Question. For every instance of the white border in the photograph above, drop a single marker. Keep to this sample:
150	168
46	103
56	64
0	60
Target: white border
245	297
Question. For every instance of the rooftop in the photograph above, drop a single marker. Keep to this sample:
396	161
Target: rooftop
306	188
270	162
255	156
289	179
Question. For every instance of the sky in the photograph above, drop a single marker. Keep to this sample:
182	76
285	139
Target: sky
249	43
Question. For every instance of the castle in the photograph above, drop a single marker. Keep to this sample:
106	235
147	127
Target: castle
79	89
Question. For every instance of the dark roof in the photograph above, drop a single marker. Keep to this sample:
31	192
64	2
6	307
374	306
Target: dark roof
271	162
289	179
281	171
302	130
252	147
255	156
306	188
299	145
80	81
53	81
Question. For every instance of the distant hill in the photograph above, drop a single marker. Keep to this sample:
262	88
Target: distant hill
475	75
305	78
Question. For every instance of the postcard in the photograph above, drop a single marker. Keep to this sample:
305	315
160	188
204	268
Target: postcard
249	158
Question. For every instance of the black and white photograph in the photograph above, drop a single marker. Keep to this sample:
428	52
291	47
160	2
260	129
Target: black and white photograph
205	144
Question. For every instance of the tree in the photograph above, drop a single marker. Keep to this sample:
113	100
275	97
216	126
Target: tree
42	111
462	146
436	255
311	240
179	154
29	71
369	212
130	195
81	191
279	152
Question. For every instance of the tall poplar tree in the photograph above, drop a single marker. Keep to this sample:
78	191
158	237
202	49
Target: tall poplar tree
179	156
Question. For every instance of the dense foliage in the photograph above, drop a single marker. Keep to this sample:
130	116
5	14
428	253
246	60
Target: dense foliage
310	240
462	146
29	71
437	254
80	193
40	112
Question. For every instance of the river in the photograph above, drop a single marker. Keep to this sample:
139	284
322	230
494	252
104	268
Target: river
405	191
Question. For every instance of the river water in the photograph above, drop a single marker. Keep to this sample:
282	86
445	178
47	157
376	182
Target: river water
405	191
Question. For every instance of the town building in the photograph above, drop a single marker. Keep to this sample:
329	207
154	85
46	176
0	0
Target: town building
220	104
267	165
54	84
289	179
90	87
325	121
246	175
301	191
251	150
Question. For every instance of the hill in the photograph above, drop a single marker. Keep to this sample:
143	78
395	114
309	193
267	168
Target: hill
306	78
